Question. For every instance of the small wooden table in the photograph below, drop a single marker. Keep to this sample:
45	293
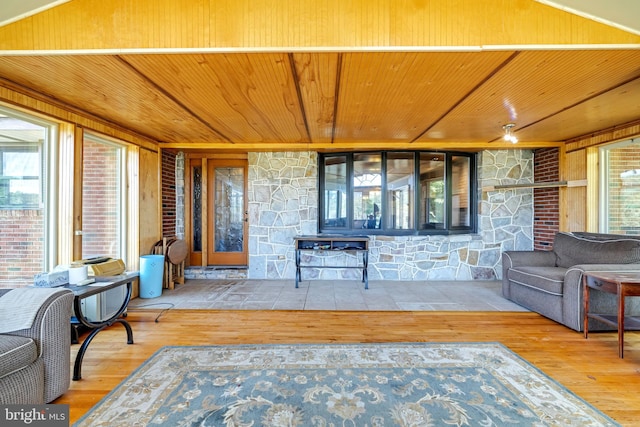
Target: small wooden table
623	284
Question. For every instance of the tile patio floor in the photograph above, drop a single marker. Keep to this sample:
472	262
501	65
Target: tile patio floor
343	295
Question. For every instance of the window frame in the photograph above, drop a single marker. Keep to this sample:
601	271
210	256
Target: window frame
48	153
418	201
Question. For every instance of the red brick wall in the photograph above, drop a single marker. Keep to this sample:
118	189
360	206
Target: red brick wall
546	217
168	193
100	197
21	246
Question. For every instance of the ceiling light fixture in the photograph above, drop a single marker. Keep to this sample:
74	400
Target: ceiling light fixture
508	133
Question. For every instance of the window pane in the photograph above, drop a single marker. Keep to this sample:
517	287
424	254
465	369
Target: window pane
335	191
367	181
622	187
460	195
400	190
432	195
101	199
22	213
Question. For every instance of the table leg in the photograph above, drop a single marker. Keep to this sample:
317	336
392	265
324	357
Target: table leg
620	322
297	267
77	367
365	273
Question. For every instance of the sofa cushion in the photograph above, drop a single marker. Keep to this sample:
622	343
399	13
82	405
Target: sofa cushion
572	250
546	279
16	353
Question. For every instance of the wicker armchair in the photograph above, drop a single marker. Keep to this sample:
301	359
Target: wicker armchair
35	361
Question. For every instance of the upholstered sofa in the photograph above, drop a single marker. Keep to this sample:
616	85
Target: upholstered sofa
550	282
35	344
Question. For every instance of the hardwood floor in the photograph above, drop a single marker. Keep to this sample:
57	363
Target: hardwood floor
589	368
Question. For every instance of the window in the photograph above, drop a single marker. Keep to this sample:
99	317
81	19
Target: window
27	244
103	198
397	192
620	189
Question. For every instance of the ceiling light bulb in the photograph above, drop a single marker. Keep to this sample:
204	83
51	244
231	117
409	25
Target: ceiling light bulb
508	133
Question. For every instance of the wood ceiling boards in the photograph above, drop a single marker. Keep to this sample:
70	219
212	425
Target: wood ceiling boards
337	100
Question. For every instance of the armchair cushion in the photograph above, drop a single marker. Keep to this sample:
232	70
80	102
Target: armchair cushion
545	279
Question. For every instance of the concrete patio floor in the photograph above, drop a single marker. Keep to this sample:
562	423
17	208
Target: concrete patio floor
341	295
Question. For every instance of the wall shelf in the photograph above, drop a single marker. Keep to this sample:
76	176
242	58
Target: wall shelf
575	183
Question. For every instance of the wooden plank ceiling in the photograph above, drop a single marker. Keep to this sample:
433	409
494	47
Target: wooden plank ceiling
337	100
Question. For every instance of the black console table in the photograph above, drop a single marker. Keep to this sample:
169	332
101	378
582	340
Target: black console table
102	284
333	243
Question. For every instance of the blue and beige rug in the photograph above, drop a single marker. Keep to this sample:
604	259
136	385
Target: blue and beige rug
395	384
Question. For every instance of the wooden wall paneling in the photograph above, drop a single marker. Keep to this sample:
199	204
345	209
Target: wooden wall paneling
301	23
618	133
119	93
574	199
150	200
600	109
33	102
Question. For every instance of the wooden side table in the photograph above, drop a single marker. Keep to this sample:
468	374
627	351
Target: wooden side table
623	284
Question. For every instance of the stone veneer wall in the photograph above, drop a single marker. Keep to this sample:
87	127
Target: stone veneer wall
283	203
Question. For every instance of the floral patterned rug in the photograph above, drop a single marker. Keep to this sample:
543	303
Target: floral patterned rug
394	384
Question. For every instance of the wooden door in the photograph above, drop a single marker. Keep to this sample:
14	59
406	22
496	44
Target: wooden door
227	230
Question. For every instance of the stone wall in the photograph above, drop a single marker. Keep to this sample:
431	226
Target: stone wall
283	203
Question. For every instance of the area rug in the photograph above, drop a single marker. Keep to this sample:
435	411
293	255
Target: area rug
392	384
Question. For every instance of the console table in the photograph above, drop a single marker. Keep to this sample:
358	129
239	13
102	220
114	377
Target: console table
358	244
622	284
102	284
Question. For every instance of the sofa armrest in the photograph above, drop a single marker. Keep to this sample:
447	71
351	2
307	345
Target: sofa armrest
573	292
517	258
51	332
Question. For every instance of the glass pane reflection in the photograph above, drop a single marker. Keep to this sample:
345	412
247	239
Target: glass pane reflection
229	209
432	194
367	194
400	189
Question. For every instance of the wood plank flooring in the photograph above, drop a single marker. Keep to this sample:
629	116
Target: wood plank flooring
589	368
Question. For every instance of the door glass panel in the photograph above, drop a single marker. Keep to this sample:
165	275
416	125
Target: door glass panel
197	209
101	199
400	189
367	193
229	209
